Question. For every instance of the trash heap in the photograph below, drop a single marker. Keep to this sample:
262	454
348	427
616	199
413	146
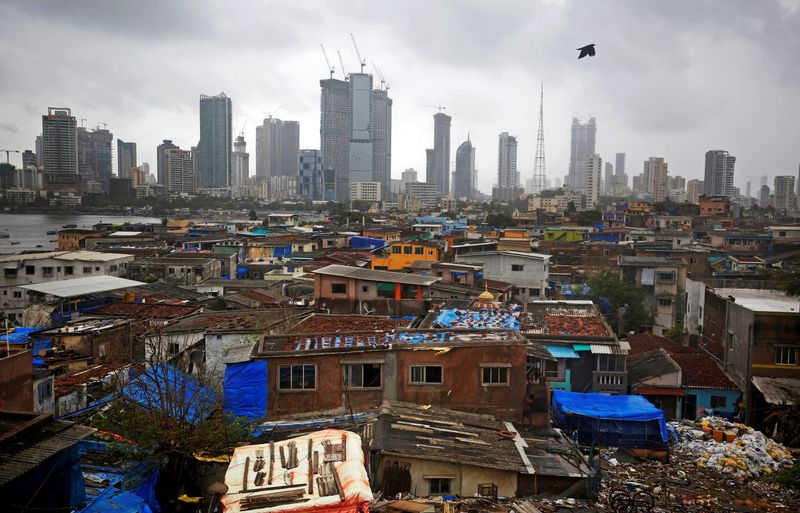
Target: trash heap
730	448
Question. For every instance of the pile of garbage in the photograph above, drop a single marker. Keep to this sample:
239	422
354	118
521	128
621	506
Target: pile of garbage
727	447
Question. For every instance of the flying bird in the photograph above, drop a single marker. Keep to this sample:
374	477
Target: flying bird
586	50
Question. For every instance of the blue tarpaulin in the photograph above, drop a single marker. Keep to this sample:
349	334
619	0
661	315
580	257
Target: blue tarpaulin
170	390
486	319
41	343
18	335
610	420
562	352
246	389
358	242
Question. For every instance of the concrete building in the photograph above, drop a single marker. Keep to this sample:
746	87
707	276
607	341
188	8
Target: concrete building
527	271
657	178
161	161
438	165
277	146
381	125
619	169
507	174
180	172
309	180
175	270
240	165
59	142
663	282
592	175
335	115
718	179
29	159
426	193
463	184
409	176
582	147
216	135
694	188
365	191
126	157
94	156
785	199
52	266
360	157
608	179
764	200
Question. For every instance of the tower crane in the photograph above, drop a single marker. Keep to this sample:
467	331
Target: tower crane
8	153
440	107
341	62
362	62
331	69
82	120
380	75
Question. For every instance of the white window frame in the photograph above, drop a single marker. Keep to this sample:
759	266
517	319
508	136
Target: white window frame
787	355
502	369
424	375
302	370
347	373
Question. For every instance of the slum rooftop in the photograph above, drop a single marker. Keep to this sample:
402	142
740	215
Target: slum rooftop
320	323
381	340
236	321
571	318
344	271
760	300
82	286
82	256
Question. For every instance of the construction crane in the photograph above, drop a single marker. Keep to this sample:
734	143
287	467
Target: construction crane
440	107
82	120
8	153
380	75
330	68
362	62
100	123
341	62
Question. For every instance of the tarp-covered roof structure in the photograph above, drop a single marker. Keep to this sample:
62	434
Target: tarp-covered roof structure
610	420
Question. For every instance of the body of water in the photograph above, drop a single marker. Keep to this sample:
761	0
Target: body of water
30	230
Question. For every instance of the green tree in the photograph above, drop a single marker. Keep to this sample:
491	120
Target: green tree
675	332
589	217
252	215
790	284
607	287
571	207
501	220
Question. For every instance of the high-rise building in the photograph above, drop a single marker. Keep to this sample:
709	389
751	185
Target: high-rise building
335	115
582	148
95	156
240	164
677	183
621	178
216	136
409	176
126	157
382	140
426	193
309	180
694	188
360	156
608	179
161	161
180	171
656	175
591	189
785	199
277	144
763	197
39	149
463	186
507	174
719	173
365	191
438	165
59	142
28	159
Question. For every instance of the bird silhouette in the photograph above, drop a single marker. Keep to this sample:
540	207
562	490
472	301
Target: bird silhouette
586	50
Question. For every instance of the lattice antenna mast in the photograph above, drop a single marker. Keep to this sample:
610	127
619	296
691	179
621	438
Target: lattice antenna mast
539	167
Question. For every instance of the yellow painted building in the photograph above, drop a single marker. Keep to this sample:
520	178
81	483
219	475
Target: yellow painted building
400	256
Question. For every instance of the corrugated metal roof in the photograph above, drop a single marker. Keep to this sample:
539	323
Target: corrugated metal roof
607	349
82	286
238	354
782	391
358	273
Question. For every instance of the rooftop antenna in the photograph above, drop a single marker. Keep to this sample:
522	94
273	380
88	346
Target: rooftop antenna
331	69
341	62
362	62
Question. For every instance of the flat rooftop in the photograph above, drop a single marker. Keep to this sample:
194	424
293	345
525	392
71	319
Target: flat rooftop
759	300
82	286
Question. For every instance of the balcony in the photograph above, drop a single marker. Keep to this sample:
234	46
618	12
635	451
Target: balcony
613	382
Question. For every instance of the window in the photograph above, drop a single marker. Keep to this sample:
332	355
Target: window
173	348
396	250
17	294
87	270
610	363
517	267
45	391
97	268
297	377
519	292
364	289
665	302
533	292
362	375
494	375
407	250
112	268
665	277
10	273
418	250
781	234
440	486
719	401
426	374
171	270
69	269
785	355
47	271
30	269
386	290
339	288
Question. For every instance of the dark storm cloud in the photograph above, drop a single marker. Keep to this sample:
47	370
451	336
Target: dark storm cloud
7	127
670	79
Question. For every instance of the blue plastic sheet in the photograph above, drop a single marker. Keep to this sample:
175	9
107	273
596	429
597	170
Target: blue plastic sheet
167	389
486	319
246	389
610	420
562	352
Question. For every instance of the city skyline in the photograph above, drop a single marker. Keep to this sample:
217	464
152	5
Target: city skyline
643	108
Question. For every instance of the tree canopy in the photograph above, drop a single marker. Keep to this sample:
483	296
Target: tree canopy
606	288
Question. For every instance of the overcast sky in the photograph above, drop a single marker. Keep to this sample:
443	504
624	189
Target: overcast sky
670	79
